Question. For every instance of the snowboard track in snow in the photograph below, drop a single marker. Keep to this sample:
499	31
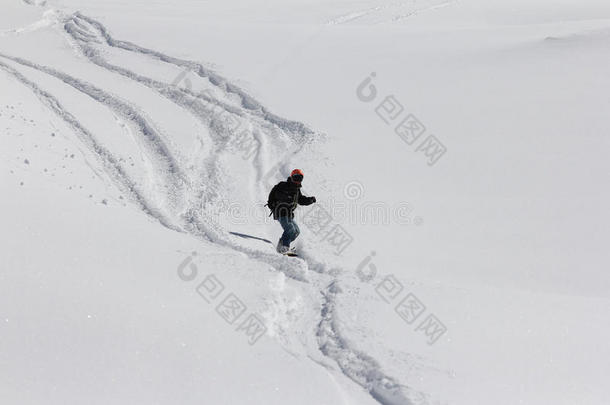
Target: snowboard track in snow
112	165
247	102
396	11
88	34
359	367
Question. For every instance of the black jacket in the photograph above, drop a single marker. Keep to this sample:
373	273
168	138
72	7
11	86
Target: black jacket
284	197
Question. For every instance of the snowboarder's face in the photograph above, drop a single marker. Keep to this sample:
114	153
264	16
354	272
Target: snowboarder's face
297	178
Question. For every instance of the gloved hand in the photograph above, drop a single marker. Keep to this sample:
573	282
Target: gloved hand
313	199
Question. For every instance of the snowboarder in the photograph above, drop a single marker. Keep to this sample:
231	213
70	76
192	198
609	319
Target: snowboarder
282	202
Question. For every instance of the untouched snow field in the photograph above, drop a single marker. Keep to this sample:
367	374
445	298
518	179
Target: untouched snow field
457	253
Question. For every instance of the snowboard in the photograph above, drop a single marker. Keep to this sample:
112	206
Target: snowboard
291	253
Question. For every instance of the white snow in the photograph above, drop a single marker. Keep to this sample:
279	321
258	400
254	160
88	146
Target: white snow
140	141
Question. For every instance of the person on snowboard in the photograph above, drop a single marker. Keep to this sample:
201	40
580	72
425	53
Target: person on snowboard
282	201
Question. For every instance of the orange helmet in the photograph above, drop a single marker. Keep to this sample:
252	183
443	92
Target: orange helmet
296	175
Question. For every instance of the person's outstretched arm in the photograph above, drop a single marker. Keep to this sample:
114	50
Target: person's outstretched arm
304	200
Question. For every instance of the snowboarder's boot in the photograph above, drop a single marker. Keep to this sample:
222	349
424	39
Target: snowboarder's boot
281	248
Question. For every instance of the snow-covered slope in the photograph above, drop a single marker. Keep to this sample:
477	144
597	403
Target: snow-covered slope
140	265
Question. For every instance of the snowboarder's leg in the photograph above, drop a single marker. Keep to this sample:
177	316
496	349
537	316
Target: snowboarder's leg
295	231
286	223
